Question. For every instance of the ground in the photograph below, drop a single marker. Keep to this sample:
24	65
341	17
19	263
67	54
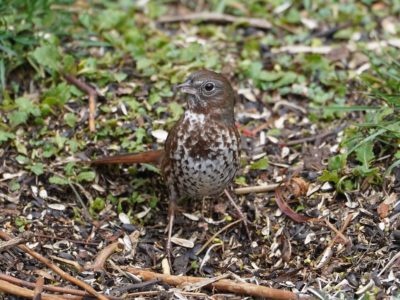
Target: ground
315	81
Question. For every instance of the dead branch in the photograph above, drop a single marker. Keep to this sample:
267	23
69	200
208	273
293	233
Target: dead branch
221	285
37	292
102	257
92	97
50	288
56	269
256	189
73	263
13	289
22	238
212	17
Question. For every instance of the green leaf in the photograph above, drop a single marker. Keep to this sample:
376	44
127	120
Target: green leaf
21	148
69	168
365	153
329	176
22	159
58	180
57	95
240	180
59	140
261	164
140	134
337	162
47	56
28	106
86	176
18	117
151	168
176	110
5	136
70	119
37	169
14	185
97	205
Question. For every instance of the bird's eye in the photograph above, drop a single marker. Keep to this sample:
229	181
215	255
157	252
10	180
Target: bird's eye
209	86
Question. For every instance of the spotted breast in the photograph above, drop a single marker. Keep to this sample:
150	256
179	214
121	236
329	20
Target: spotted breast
204	157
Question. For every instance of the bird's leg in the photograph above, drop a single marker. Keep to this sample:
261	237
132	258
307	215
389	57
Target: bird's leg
171	218
239	211
203	206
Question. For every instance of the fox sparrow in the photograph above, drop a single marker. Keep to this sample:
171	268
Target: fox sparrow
201	154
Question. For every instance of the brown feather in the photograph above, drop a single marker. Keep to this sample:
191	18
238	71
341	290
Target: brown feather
153	157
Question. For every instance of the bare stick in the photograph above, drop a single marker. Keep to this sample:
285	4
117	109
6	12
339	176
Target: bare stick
391	261
239	211
256	189
56	269
341	231
333	228
102	257
23	238
217	18
50	288
221	285
37	293
46	236
73	263
92	97
13	289
216	234
315	137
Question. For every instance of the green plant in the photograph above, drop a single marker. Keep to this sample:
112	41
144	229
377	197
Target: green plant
378	136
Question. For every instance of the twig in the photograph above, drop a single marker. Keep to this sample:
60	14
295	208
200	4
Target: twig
143	294
137	286
286	103
56	269
13	289
92	97
327	254
221	285
341	231
217	18
239	211
50	288
73	263
391	261
216	234
85	210
23	238
333	228
65	239
206	281
256	189
37	293
102	257
315	137
207	257
294	49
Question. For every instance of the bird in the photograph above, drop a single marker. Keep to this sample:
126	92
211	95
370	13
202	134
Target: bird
202	151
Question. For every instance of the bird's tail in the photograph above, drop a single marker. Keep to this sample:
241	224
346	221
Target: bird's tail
152	157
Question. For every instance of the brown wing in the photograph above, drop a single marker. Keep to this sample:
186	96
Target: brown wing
170	144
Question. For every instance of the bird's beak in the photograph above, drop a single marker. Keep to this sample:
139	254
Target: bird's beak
186	88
